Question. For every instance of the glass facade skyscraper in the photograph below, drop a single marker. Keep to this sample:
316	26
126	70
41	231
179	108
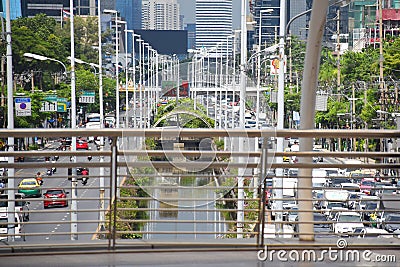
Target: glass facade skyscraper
131	12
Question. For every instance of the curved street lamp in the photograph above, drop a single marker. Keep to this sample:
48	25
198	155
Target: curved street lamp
80	61
44	58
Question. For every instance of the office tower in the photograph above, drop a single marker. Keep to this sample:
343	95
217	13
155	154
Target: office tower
54	8
131	12
214	25
191	32
160	15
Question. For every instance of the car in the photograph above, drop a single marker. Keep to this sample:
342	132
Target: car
378	187
322	227
391	222
21	205
367	232
30	187
356	176
18	227
391	190
337	181
354	198
55	197
293	214
346	222
366	186
351	187
371	207
65	143
82	144
19	159
317	158
286	158
364	200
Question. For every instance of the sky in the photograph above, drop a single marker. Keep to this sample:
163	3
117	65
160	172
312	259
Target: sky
188	9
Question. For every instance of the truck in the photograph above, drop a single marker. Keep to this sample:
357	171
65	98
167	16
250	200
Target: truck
334	200
319	177
92	122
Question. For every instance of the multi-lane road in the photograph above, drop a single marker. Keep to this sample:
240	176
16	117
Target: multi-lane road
55	223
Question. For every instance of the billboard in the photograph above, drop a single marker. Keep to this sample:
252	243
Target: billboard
168	89
166	42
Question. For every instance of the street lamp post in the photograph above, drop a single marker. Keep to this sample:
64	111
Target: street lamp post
149	73
243	60
140	79
44	58
101	104
133	73
141	82
93	65
281	114
111	11
10	126
143	92
126	81
269	10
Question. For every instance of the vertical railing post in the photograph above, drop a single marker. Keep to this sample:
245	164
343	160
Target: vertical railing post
113	191
262	185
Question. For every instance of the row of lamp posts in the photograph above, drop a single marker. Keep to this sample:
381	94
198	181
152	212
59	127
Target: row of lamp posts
152	81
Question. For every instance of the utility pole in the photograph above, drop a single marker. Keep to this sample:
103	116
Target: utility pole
381	81
10	126
338	50
243	60
281	116
290	64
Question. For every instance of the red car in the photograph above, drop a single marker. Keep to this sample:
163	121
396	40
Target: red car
366	186
82	144
55	197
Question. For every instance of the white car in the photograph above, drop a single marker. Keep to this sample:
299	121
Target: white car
373	232
270	231
18	227
21	205
346	222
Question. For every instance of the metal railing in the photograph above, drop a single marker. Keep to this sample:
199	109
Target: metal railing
169	188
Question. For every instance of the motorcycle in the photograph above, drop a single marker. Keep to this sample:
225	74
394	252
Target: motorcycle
39	180
84	180
49	172
85	177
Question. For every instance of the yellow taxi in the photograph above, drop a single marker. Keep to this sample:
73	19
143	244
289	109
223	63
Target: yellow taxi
30	187
286	158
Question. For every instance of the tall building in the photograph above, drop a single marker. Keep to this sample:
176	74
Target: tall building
191	32
365	22
160	15
299	26
214	25
268	20
54	8
131	12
